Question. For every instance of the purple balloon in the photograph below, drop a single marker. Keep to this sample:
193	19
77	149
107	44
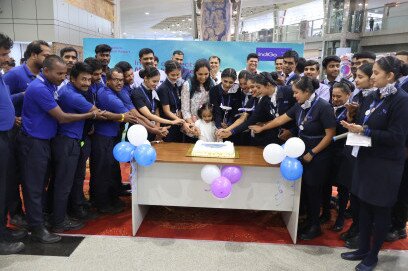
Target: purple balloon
221	187
232	173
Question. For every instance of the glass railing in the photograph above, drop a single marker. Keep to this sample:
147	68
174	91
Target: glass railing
387	18
301	31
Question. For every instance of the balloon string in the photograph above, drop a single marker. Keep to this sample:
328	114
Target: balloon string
125	131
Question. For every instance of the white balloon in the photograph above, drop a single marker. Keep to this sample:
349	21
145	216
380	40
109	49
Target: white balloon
209	173
294	147
273	154
137	135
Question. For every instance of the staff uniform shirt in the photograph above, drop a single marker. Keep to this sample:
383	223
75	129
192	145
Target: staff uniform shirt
225	104
292	77
403	83
124	95
38	101
72	100
331	84
314	120
324	92
6	107
107	99
141	97
18	79
168	94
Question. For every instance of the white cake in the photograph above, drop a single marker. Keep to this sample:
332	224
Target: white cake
214	149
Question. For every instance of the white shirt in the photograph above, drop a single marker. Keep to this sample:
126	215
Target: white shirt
323	92
326	81
218	76
138	80
207	130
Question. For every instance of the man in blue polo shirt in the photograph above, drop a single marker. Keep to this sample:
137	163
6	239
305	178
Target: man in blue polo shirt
67	144
18	80
102	165
6	124
70	57
40	116
78	206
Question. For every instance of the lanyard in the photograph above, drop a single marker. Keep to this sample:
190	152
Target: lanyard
152	102
301	123
370	111
341	115
174	99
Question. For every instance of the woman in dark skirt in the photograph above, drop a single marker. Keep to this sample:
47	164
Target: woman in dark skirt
365	88
378	169
316	125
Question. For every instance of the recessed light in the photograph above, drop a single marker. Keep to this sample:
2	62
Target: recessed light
124	33
183	20
147	13
189	19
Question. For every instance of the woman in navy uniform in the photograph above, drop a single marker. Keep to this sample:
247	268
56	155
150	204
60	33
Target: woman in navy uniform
226	100
168	93
146	100
378	169
340	96
244	112
316	127
266	110
364	89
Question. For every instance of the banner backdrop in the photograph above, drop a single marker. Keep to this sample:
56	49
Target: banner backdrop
232	54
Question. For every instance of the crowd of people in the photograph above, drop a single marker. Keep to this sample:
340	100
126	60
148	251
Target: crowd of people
57	112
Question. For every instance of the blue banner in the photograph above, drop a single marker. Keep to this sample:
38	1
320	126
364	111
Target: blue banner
232	54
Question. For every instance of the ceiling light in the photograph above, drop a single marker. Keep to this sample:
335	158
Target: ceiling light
234	12
183	20
124	33
147	13
189	19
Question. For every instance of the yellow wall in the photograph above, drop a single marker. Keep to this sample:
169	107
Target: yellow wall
101	8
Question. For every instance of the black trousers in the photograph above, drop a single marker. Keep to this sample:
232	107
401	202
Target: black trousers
13	200
313	198
65	153
4	158
34	159
374	224
355	210
400	209
77	198
102	165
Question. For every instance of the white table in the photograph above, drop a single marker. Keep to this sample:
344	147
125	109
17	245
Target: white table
174	180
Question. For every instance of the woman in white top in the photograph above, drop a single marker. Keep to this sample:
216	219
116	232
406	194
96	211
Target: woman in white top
195	91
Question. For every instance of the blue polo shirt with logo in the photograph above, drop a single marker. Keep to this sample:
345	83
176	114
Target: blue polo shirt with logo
6	107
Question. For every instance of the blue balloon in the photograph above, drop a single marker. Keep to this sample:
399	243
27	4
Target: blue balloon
123	152
145	155
291	169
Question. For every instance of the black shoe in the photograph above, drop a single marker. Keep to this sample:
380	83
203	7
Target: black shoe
87	204
325	217
353	256
363	267
81	213
15	235
10	248
350	233
111	210
126	186
311	233
338	226
67	225
395	235
18	221
353	243
42	235
125	193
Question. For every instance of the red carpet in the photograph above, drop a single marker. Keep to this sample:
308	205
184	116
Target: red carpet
212	224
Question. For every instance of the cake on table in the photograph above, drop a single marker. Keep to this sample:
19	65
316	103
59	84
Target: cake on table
214	149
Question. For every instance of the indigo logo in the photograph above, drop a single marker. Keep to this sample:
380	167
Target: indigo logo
270	54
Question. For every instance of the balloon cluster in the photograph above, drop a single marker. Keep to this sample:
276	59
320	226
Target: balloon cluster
221	180
138	147
287	154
